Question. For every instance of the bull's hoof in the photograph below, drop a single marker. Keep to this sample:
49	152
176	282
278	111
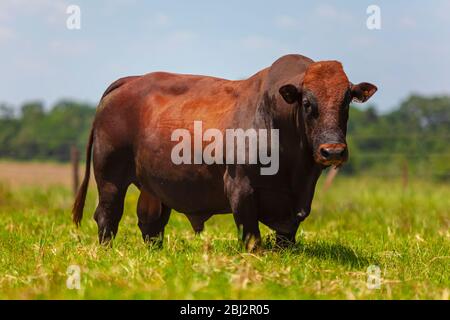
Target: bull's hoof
284	241
253	244
153	242
105	238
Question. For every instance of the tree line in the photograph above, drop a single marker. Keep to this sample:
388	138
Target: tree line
415	135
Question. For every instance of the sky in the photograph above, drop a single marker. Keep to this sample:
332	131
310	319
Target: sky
41	59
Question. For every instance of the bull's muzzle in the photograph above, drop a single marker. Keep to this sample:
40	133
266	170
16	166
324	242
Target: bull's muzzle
332	154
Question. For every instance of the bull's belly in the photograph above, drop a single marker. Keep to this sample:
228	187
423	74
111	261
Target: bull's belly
206	196
193	191
193	198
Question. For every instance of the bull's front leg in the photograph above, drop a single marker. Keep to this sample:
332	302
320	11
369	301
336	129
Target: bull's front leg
243	203
246	219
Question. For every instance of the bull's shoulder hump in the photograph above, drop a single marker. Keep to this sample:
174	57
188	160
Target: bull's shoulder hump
293	58
288	66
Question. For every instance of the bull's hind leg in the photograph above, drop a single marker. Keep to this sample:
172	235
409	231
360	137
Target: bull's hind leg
153	216
113	174
109	210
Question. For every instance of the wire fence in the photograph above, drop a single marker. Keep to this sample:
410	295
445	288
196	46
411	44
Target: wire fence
416	162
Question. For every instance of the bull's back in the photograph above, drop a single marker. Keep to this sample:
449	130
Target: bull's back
174	101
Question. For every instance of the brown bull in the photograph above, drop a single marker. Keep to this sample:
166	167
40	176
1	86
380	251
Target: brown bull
131	141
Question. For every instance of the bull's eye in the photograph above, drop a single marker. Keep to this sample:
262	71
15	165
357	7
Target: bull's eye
307	105
310	107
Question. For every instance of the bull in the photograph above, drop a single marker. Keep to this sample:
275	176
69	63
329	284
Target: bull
130	143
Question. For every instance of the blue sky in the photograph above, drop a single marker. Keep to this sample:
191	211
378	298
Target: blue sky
41	59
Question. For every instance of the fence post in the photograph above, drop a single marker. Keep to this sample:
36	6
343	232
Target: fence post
75	159
330	177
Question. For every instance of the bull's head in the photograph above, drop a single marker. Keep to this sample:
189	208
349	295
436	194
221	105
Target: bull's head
324	97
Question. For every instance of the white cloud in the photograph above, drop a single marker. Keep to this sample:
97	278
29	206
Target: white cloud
327	11
30	66
156	22
70	48
256	42
177	40
9	9
363	41
161	19
407	23
6	34
181	36
441	10
285	22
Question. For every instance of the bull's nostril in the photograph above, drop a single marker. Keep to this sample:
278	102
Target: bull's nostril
324	153
342	153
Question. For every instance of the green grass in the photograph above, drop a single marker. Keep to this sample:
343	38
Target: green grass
359	222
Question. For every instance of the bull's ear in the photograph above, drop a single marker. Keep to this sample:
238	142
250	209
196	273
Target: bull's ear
361	92
290	93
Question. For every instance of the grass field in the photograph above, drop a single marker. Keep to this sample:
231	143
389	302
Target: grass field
359	222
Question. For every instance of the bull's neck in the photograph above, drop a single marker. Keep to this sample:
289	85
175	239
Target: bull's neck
288	120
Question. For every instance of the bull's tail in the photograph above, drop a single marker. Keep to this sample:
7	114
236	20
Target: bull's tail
77	211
